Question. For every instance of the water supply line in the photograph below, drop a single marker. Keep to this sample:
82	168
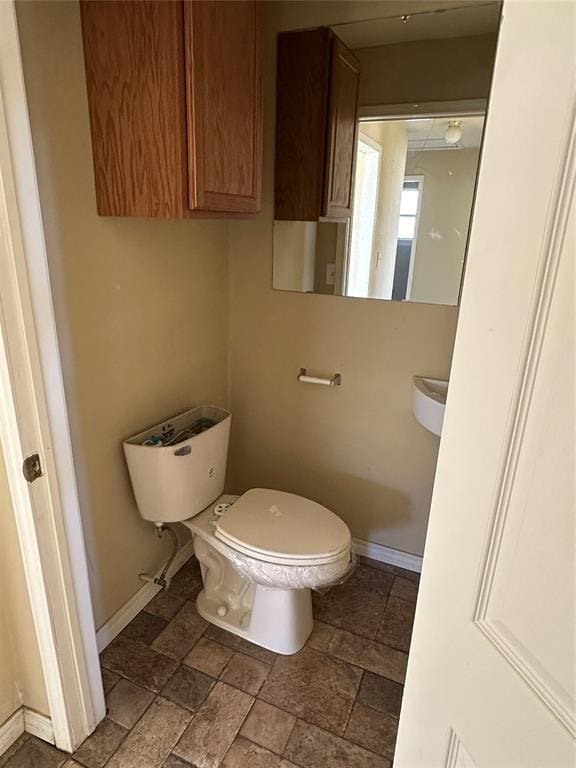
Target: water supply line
161	580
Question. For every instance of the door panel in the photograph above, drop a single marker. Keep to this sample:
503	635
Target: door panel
224	121
492	666
531	549
533	520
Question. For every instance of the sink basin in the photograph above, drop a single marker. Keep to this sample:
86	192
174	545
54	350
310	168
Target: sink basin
429	402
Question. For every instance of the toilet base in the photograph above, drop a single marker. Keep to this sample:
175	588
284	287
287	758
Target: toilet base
277	619
280	619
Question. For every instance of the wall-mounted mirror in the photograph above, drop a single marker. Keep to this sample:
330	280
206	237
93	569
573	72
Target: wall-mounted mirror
378	133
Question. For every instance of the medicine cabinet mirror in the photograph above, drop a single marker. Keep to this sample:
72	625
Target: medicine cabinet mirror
379	129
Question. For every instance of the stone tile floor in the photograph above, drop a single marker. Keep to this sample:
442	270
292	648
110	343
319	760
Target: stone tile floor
182	693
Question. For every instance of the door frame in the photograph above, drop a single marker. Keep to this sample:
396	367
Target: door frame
368	141
34	419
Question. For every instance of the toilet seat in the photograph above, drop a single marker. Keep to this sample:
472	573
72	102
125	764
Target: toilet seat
261	569
283	528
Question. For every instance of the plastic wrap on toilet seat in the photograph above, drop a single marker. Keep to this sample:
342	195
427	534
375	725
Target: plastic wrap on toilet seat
317	577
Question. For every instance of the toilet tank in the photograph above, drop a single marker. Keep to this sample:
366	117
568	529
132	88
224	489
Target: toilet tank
178	467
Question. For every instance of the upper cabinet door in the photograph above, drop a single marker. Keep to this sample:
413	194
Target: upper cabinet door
342	129
316	118
223	39
134	55
174	93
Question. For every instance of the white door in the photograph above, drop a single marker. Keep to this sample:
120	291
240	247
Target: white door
491	672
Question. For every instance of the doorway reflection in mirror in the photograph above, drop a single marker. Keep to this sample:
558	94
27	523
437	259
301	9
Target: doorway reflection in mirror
412	203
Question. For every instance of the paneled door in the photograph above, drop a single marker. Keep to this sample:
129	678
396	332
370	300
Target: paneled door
491	673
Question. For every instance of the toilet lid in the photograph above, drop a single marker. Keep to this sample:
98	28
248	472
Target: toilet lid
283	528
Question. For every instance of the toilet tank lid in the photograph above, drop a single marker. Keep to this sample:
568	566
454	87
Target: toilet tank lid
280	524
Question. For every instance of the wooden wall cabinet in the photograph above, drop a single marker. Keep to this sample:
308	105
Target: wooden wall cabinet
316	126
175	101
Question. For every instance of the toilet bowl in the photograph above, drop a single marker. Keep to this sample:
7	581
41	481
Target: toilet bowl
260	553
260	558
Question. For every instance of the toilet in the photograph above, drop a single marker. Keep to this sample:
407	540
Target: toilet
260	553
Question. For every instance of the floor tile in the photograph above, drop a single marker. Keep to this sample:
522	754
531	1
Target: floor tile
373	730
209	657
173	761
185	629
370	655
246	673
127	702
314	686
268	726
396	625
352	715
165	604
358	604
381	694
144	628
98	747
312	747
153	737
139	663
245	754
214	728
404	589
37	754
188	688
187	583
239	644
14	747
109	680
321	636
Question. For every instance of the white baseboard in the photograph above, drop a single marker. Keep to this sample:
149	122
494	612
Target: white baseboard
388	555
25	720
12	729
137	602
38	725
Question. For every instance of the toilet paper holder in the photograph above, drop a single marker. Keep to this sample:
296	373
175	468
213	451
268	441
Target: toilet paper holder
334	381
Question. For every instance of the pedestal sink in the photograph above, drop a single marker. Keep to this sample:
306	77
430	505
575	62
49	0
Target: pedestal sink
429	402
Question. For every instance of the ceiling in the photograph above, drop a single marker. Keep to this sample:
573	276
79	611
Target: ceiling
428	133
476	18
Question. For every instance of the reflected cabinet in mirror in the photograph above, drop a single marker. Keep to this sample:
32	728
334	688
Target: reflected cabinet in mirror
379	125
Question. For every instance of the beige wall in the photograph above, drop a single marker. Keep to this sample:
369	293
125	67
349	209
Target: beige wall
9	693
141	307
356	448
21	676
427	70
448	190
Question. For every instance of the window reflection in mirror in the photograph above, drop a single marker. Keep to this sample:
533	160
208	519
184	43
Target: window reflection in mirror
415	164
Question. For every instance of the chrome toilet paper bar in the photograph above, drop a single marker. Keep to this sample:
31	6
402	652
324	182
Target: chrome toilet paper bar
335	381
